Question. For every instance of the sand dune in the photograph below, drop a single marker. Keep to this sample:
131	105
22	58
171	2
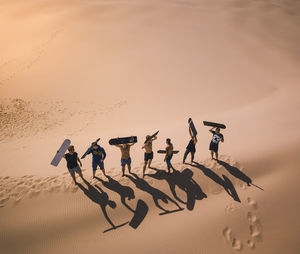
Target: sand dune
88	69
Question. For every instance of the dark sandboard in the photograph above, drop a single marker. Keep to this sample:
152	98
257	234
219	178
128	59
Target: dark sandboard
107	230
151	137
61	152
164	151
139	215
192	126
212	124
95	142
126	140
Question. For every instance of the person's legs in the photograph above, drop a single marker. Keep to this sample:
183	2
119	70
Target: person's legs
212	154
149	163
144	168
185	155
101	165
123	170
72	173
79	172
94	165
216	155
192	156
150	159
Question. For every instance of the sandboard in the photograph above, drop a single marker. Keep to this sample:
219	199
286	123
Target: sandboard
192	126
164	151
151	137
212	124
139	215
126	140
61	152
85	154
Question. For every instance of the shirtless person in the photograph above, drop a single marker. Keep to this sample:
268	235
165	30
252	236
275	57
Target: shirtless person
214	143
148	153
191	147
72	163
125	156
169	154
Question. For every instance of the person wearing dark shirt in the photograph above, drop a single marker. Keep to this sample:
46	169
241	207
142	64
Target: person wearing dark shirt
99	156
72	163
191	147
214	143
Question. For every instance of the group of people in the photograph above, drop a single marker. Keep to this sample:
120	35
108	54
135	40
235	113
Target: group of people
99	154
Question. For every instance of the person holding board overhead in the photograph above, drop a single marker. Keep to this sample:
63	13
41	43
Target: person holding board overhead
148	152
191	147
214	143
125	156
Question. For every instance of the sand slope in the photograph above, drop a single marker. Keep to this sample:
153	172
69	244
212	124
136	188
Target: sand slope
88	69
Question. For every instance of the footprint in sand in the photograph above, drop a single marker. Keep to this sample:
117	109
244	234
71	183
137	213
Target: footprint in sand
252	202
235	243
229	208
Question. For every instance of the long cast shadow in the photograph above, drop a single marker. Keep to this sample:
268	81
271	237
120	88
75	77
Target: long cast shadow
155	193
185	182
101	198
238	173
225	182
126	192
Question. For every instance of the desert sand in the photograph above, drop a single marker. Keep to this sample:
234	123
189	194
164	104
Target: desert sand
92	69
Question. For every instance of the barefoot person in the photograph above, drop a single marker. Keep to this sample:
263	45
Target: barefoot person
191	147
72	163
148	156
169	154
214	143
125	156
99	156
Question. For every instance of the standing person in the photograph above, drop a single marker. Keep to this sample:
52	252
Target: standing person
169	154
99	156
191	147
125	157
214	143
148	156
72	163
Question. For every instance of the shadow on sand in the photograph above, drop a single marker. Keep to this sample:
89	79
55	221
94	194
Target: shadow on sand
225	182
185	182
155	193
101	198
126	192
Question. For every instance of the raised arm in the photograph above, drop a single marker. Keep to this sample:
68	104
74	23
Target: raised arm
212	130
154	138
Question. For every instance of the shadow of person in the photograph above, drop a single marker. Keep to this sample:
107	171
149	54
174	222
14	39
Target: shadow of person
185	182
235	172
101	198
155	193
126	192
225	182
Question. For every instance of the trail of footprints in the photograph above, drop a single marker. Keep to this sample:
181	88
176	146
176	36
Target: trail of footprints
15	189
255	229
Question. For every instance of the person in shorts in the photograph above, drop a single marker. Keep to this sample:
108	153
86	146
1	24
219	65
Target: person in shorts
99	156
191	147
72	163
148	156
214	143
169	154
125	157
